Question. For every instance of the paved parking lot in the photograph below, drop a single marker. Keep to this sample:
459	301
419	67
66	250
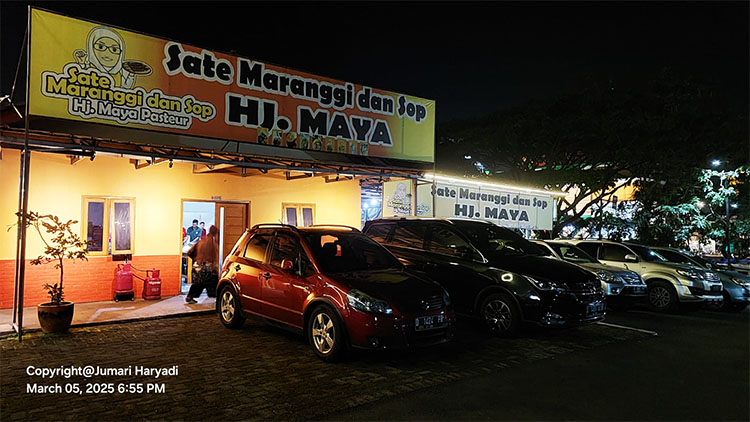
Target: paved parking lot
258	372
697	369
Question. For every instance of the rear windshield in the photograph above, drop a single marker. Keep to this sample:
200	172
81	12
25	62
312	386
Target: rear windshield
495	240
337	252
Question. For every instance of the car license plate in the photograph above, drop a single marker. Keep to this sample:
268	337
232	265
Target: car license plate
594	308
428	322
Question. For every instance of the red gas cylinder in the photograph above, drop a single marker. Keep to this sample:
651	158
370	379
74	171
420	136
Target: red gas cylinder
152	285
123	283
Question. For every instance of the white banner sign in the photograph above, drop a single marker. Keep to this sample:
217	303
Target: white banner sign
397	198
502	207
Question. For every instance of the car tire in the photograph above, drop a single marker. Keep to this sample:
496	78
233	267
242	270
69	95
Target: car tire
737	307
661	297
728	306
230	309
325	332
500	315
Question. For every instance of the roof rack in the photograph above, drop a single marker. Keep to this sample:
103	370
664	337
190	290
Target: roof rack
354	229
268	225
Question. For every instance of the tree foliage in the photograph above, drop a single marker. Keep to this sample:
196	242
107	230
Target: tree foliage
591	142
60	244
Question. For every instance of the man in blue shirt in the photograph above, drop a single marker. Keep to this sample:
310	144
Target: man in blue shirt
194	233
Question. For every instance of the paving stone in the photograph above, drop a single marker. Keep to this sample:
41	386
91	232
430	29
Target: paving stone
254	373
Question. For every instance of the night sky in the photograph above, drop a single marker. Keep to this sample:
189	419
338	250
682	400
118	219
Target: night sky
472	58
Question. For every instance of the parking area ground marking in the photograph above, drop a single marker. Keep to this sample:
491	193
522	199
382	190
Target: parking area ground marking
702	316
625	327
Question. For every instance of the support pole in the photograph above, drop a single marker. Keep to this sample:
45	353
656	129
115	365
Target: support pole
23	203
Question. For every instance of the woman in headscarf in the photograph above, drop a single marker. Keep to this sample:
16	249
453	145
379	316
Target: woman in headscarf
205	264
105	52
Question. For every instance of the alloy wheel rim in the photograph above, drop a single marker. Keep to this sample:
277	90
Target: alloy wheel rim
659	297
227	306
498	315
323	333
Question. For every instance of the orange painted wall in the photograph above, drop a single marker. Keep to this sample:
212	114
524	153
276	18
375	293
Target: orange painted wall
57	187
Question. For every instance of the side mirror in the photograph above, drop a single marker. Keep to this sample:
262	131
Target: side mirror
631	258
287	265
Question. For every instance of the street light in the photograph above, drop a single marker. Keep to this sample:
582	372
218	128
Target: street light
734	205
722	179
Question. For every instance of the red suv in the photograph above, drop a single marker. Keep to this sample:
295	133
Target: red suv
335	285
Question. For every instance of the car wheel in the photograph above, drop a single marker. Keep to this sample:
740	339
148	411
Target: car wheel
326	334
728	306
230	310
662	297
500	315
738	307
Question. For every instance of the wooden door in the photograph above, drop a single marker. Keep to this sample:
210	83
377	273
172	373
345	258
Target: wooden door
232	220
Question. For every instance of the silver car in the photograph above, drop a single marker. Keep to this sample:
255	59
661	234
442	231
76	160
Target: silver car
621	287
736	285
669	284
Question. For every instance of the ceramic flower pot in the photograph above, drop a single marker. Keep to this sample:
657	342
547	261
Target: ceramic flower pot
55	318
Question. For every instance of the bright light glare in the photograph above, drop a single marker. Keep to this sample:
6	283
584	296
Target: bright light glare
701	204
734	205
716	163
467	157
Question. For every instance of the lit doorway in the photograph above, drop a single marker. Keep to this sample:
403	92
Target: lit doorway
230	218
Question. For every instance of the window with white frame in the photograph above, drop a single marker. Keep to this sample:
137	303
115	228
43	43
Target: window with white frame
108	225
299	215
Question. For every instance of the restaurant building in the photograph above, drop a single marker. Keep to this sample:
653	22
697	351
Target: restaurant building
135	136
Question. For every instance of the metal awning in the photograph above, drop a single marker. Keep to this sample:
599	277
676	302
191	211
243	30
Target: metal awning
241	163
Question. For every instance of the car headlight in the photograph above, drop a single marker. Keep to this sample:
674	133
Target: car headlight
546	285
366	303
690	274
605	276
446	298
741	282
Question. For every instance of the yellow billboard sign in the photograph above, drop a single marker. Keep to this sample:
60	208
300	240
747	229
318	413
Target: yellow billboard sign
88	72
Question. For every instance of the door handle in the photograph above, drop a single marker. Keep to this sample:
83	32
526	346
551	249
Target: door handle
266	276
237	267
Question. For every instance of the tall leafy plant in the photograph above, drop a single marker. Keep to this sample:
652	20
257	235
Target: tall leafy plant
60	243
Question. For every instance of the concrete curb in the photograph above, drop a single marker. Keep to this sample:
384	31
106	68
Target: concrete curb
9	334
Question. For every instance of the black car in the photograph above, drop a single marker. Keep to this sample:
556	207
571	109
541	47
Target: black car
493	273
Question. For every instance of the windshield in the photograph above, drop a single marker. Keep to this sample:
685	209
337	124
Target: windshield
677	257
337	251
700	261
495	240
648	255
683	258
572	253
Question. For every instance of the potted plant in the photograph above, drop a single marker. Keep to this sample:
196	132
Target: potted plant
56	315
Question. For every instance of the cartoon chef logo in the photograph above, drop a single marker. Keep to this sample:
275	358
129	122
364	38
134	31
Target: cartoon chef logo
105	52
